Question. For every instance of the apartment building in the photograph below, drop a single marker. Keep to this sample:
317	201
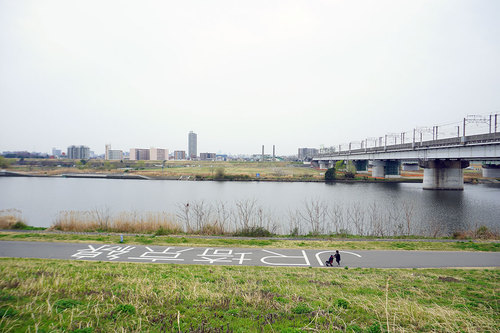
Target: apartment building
139	154
179	155
78	152
158	154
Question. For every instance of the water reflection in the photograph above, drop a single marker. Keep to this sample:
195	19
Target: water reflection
386	206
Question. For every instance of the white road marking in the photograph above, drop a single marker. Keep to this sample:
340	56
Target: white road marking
278	255
320	262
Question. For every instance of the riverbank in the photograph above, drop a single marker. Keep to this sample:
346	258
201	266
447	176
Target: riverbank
315	176
361	243
82	296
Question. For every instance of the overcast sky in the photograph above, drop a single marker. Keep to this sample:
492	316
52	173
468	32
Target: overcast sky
240	74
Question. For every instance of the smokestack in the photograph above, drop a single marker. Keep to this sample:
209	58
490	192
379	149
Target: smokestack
274	153
262	153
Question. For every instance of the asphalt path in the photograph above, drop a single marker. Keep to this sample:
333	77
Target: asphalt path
246	256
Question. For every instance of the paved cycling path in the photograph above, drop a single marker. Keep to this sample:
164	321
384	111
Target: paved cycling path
246	256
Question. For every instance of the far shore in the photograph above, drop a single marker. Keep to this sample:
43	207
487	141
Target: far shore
360	178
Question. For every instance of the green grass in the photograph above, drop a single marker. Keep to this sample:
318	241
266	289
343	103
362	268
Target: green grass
82	296
277	242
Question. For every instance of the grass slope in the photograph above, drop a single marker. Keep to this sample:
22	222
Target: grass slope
78	296
423	245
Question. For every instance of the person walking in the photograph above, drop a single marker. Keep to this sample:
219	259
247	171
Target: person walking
337	257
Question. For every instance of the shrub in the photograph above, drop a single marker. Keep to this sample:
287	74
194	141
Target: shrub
349	175
219	173
19	225
330	175
4	163
253	232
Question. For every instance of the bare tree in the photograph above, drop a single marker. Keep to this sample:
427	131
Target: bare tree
184	214
314	214
408	209
245	211
335	214
295	222
202	213
375	220
355	216
394	218
222	215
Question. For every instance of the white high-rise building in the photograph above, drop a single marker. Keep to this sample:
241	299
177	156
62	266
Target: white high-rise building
192	145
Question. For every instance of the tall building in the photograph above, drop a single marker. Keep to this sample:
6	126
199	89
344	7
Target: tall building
158	154
307	153
112	154
107	148
192	145
179	155
137	154
78	152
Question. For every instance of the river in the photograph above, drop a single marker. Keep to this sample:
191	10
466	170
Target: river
358	207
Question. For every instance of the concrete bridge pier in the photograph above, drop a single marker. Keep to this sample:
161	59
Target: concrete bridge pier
392	169
323	165
491	170
444	174
378	169
386	169
361	166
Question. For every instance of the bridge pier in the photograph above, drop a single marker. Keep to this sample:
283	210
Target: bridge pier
378	169
444	174
386	169
323	165
361	166
392	169
491	170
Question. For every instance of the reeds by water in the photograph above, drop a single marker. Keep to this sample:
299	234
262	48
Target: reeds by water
9	217
128	222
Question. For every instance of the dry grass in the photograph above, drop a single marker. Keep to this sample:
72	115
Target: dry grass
9	217
128	222
66	295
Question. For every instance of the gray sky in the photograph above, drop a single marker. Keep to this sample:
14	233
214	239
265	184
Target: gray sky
240	73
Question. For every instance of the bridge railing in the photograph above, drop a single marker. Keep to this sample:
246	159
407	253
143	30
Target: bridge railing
456	141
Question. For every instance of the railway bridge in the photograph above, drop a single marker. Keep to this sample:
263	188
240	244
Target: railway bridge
443	160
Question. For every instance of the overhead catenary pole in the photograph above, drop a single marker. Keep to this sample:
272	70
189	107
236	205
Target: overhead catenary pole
464	131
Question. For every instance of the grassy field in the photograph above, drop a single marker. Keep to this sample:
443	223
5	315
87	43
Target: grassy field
78	296
230	170
402	244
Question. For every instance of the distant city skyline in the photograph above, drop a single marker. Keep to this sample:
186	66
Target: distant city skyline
241	74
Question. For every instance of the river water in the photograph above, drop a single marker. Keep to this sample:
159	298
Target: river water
356	207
